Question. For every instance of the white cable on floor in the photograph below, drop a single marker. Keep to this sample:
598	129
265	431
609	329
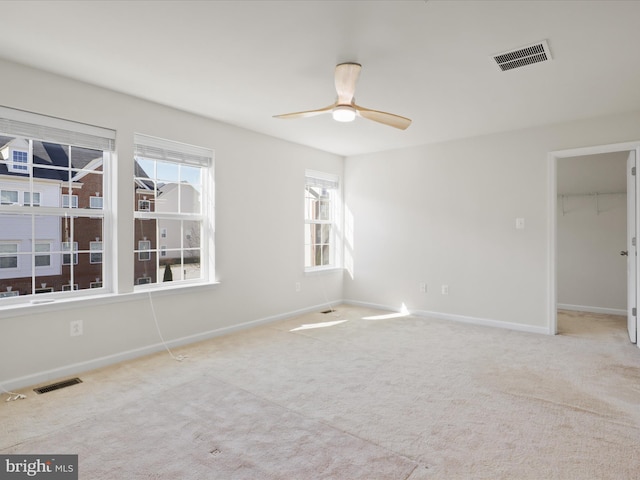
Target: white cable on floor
12	395
179	358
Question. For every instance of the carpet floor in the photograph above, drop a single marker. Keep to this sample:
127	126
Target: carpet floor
354	394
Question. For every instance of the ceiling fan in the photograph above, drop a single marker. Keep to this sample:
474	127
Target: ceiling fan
345	108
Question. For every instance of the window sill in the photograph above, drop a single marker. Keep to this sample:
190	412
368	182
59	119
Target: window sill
322	270
46	305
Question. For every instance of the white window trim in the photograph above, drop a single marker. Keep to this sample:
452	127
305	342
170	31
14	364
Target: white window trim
17	195
92	200
9	255
161	150
18	167
332	181
74	200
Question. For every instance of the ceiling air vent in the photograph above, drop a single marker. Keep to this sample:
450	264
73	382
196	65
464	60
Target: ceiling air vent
534	53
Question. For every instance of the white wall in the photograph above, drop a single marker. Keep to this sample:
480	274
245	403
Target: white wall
592	276
445	214
259	236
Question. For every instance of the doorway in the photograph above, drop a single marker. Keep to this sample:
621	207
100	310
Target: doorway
583	182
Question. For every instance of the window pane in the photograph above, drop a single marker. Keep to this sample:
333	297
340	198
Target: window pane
144	169
43	260
8	197
145	229
190	190
91	186
167	172
168	195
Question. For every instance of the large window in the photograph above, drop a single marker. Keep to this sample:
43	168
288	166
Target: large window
321	221
171	211
49	169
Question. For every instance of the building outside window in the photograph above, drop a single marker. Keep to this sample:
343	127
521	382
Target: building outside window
46	220
321	239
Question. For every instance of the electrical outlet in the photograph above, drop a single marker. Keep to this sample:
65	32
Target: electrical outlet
298	287
75	328
445	289
423	287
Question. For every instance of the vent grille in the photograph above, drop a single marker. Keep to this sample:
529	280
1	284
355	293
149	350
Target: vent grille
535	53
57	386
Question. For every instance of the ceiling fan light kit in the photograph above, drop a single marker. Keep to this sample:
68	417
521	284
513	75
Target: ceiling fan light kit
343	113
345	109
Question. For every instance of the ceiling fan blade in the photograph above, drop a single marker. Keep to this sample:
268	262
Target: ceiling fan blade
346	77
308	113
390	119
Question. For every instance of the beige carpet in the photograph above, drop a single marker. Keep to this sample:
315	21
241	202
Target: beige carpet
358	396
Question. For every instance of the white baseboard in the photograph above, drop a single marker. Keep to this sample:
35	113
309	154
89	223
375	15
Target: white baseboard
486	322
80	367
590	309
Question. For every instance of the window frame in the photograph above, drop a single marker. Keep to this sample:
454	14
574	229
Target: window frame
17	194
193	168
92	198
19	166
74	200
4	255
331	182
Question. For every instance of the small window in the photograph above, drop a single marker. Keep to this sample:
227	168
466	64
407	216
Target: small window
163	250
95	254
65	201
95	202
321	220
27	199
95	285
8	255
9	197
144	205
163	233
43	260
143	280
66	257
67	288
144	256
20	161
45	290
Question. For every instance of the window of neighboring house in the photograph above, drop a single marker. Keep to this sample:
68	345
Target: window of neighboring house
8	255
45	234
96	284
144	250
95	252
69	247
177	177
42	259
19	161
321	221
143	280
95	202
27	199
65	201
9	197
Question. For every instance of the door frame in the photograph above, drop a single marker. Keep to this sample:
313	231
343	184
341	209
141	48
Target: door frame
552	169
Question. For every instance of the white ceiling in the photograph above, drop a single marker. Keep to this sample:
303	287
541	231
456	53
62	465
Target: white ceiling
241	62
